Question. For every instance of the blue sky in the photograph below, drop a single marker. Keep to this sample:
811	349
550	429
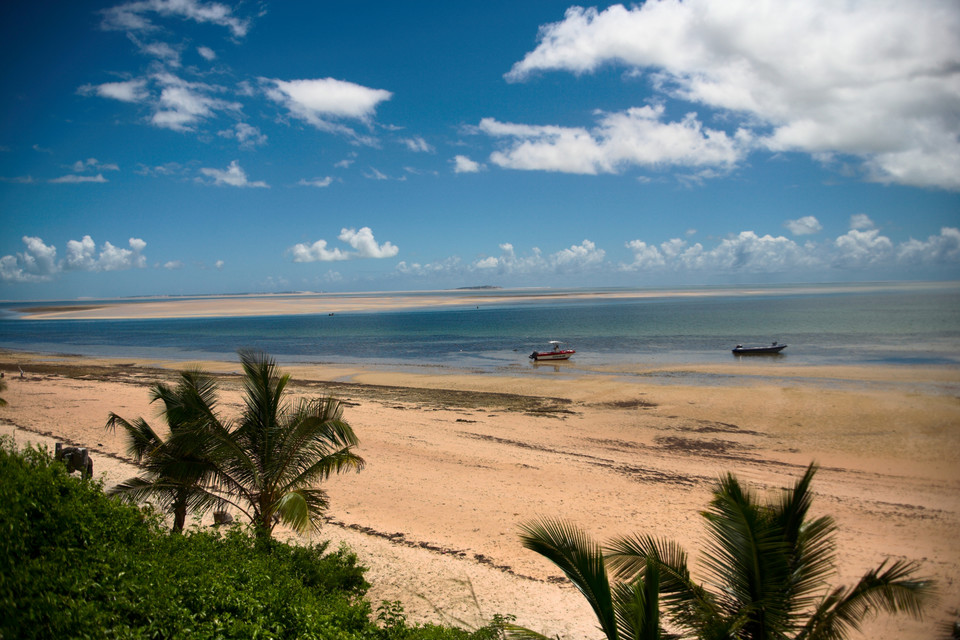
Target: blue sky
177	147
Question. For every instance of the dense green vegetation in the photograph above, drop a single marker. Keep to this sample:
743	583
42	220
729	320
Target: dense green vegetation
767	565
75	563
267	463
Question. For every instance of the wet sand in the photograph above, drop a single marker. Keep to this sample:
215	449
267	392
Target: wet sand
455	461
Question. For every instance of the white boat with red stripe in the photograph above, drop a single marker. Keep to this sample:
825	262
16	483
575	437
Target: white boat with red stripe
556	353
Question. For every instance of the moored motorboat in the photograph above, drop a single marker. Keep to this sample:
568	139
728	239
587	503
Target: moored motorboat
556	353
774	348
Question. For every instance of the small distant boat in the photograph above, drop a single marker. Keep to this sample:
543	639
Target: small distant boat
556	353
741	350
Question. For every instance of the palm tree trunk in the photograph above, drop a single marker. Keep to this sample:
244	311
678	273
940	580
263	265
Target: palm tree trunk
179	513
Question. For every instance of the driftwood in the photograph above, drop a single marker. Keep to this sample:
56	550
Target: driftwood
76	459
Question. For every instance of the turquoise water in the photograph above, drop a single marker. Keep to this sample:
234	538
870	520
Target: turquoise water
917	324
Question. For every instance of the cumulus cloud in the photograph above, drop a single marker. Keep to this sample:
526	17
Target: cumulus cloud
136	16
807	225
82	256
748	252
861	221
362	241
232	176
463	164
323	102
862	248
37	262
811	76
636	137
939	249
575	258
364	244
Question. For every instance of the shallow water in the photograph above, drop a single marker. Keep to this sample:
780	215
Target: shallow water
895	324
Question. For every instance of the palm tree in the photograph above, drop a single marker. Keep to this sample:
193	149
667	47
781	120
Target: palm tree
625	610
767	564
271	459
177	469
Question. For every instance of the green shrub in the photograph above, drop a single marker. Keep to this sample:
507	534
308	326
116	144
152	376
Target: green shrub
75	563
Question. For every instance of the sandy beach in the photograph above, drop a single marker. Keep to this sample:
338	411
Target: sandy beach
456	461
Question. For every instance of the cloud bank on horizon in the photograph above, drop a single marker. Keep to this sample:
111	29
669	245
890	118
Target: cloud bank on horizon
695	102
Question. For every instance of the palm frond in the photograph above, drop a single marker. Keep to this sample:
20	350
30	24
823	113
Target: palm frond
516	632
580	559
141	438
637	605
890	589
747	556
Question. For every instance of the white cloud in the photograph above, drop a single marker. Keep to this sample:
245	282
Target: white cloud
182	104
873	79
939	249
346	162
324	101
247	135
126	91
207	53
463	164
316	252
37	263
76	179
366	247
748	252
233	176
636	137
133	16
159	50
579	256
173	265
82	256
317	182
92	164
417	144
218	264
362	241
575	258
375	174
861	221
858	249
807	225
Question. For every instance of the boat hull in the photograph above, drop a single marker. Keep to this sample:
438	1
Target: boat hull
758	351
552	355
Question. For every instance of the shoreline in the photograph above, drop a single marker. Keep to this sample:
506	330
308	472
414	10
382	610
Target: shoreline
457	460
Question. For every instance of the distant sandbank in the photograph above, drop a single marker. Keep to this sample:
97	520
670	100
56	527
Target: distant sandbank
327	303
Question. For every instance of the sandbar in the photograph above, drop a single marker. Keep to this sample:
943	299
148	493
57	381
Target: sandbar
311	303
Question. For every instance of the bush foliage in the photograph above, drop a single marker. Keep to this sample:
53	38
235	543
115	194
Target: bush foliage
76	563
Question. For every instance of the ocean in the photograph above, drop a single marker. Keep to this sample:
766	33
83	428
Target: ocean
849	324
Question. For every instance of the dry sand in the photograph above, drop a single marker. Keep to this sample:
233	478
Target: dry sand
455	462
